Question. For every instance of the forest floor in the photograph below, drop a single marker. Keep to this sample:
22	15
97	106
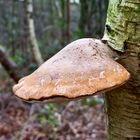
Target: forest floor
76	120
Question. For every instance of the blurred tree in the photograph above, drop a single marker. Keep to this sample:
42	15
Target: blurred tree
123	104
84	15
92	17
52	12
32	35
65	21
62	5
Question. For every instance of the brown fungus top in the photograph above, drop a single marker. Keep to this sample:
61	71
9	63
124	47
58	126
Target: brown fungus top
82	68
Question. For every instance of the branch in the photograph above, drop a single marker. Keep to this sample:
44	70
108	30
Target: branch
9	65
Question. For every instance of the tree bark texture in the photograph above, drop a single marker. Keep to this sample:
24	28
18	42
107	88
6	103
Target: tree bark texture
31	28
9	65
123	104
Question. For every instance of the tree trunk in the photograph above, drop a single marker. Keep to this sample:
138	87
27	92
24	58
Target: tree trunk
32	36
9	65
62	6
67	19
123	104
83	17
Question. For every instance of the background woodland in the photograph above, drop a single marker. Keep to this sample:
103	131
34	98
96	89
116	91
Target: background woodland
30	33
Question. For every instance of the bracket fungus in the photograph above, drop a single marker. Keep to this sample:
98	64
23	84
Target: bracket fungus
84	67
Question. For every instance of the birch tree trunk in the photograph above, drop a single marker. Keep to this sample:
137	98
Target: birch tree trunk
123	104
31	28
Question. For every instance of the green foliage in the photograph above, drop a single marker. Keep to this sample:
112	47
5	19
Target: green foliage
48	115
61	24
78	34
42	119
18	59
92	102
32	67
51	47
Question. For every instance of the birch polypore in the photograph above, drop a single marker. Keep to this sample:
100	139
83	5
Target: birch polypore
82	68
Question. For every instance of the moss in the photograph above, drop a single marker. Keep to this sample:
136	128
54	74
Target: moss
122	19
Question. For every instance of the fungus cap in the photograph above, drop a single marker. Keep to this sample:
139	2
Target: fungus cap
82	68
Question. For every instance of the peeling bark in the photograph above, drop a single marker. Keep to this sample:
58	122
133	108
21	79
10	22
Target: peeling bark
123	104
